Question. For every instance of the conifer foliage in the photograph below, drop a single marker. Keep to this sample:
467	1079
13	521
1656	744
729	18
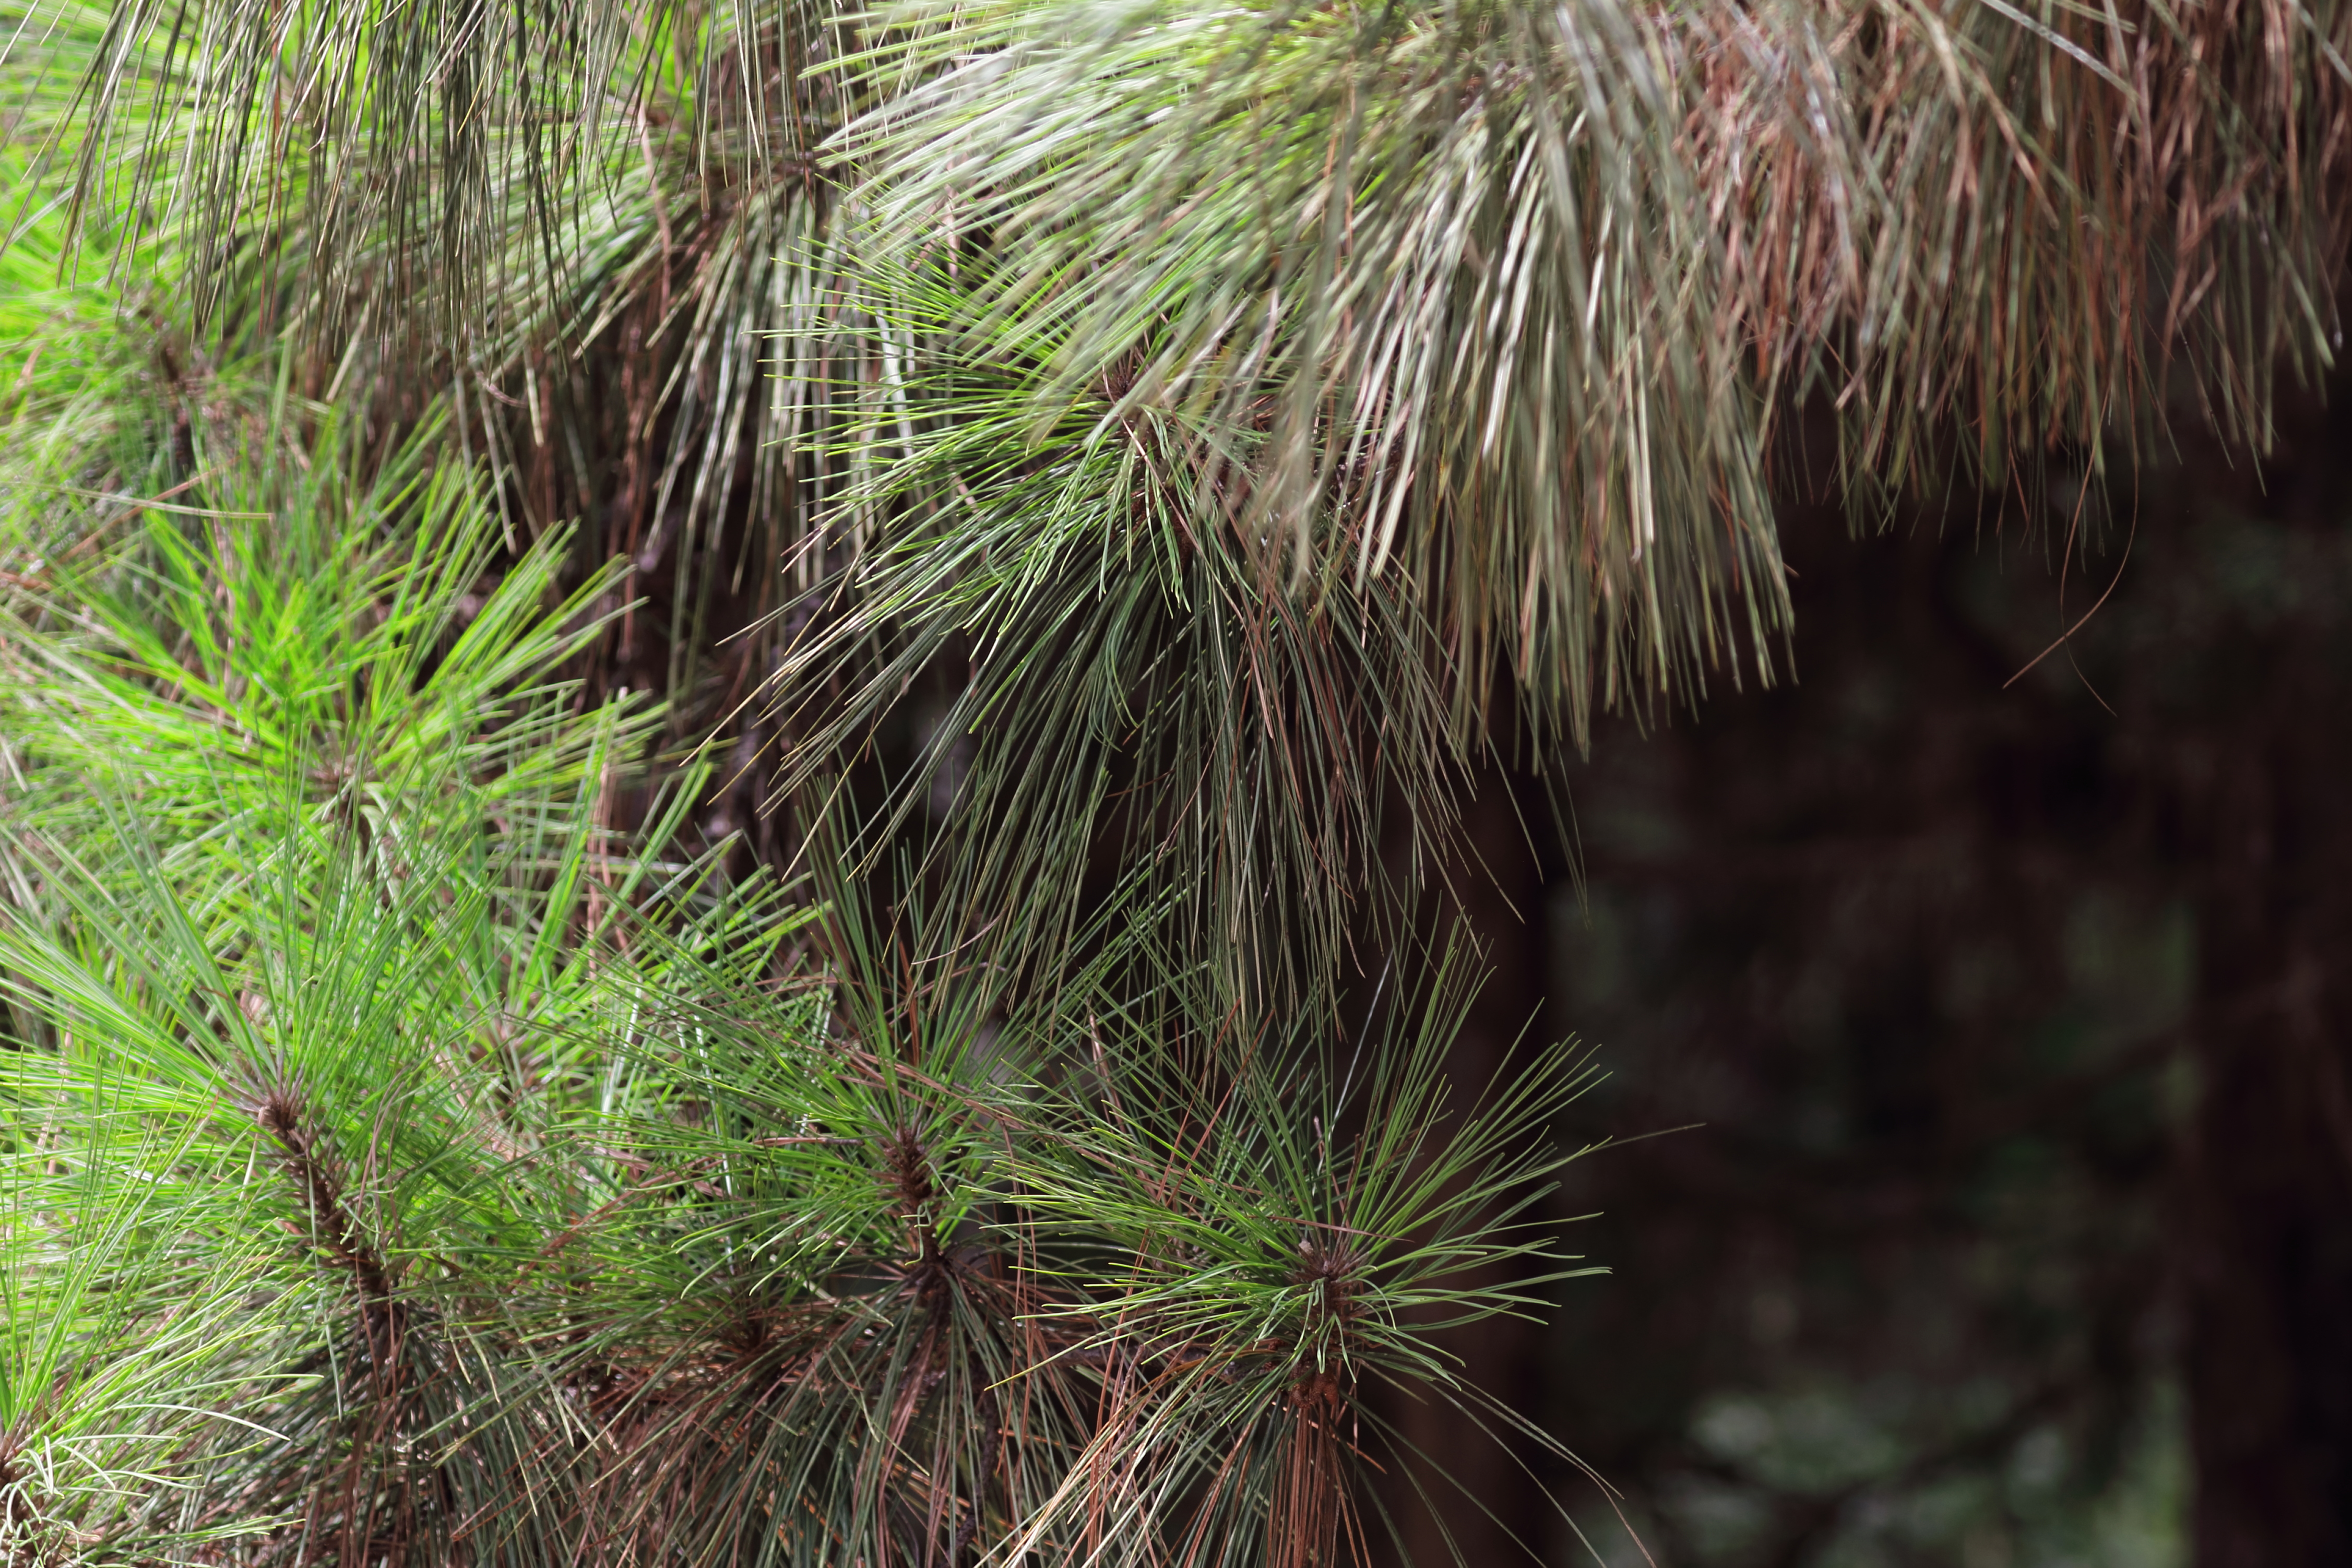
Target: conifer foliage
400	1170
427	1139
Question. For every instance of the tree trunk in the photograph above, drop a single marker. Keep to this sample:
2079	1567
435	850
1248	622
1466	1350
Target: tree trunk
2268	1172
2266	797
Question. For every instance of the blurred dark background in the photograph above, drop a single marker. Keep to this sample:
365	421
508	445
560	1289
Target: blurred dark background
2014	1012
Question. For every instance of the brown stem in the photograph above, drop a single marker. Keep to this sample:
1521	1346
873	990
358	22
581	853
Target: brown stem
305	1157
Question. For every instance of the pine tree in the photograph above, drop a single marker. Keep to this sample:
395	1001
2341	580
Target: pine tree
1085	474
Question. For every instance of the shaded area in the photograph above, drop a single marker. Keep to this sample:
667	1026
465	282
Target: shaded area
2014	1017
